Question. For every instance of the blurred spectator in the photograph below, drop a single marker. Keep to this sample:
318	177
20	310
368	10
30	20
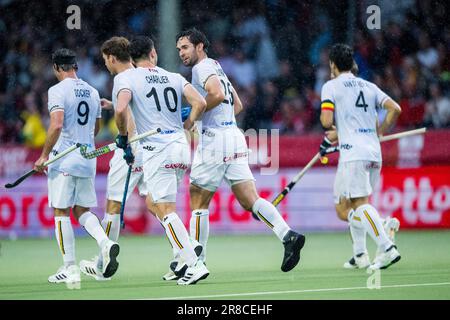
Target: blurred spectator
427	55
274	52
33	131
242	70
437	110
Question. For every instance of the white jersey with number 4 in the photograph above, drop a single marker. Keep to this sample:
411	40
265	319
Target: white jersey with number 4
156	103
81	105
218	129
355	102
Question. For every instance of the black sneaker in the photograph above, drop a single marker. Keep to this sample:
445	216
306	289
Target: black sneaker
293	242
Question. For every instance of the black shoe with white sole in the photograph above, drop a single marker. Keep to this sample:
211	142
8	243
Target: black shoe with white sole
293	243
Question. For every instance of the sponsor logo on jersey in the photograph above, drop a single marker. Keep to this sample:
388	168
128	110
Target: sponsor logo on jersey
149	148
54	152
167	131
235	156
365	130
208	133
227	123
346	146
176	166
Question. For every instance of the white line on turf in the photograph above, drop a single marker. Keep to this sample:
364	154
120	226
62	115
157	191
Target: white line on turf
230	295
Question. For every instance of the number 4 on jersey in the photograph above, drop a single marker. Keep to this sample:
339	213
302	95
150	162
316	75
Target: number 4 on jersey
361	102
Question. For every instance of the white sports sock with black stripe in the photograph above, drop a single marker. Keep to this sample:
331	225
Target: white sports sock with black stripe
372	224
111	225
66	239
358	234
179	238
199	228
267	213
92	225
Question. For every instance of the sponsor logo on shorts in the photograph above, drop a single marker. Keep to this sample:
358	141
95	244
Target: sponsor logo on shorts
149	148
137	169
181	166
235	156
373	165
54	152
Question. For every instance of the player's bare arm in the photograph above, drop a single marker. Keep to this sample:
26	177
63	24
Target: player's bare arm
326	119
237	103
393	112
53	133
121	114
197	102
106	104
215	94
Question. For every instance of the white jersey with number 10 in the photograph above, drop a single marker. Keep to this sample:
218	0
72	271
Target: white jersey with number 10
156	103
355	102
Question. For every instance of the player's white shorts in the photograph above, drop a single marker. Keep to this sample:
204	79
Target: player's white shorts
209	168
355	179
117	176
164	171
66	191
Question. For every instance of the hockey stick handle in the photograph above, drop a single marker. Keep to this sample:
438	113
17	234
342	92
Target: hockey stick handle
62	154
113	146
46	163
297	177
403	134
125	191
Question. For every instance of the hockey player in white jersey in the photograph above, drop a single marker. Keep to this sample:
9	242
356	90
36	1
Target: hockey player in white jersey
390	224
154	96
353	103
75	112
117	174
222	151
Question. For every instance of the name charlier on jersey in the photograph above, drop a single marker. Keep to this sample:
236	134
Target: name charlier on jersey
157	79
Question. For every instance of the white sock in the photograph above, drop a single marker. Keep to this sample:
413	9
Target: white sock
199	228
179	238
92	225
371	222
271	217
358	234
111	225
66	239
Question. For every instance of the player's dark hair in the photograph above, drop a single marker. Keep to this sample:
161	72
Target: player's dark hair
65	59
342	56
140	47
117	47
195	36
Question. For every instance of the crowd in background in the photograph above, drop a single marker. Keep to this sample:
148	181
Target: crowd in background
275	53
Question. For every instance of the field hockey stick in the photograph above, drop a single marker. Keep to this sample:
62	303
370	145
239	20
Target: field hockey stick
113	146
317	157
46	163
297	177
125	191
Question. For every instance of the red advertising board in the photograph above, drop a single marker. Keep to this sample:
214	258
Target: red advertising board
419	198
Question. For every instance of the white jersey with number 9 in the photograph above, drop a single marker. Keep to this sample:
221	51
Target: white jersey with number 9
81	105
